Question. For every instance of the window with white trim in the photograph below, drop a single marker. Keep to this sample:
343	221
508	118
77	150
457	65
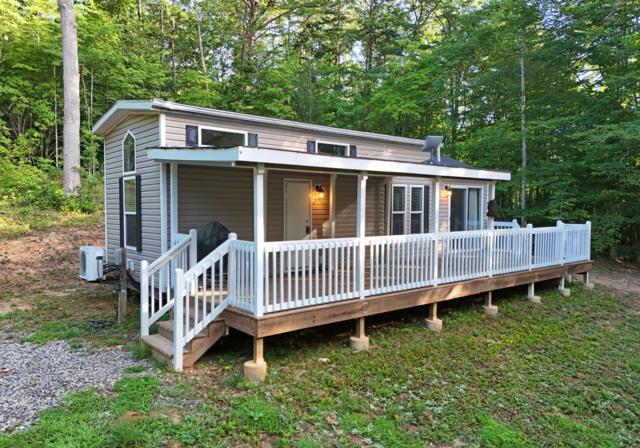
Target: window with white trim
398	209
409	209
417	209
332	148
130	204
129	153
214	137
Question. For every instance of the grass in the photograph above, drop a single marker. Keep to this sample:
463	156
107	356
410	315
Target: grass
565	373
78	319
18	221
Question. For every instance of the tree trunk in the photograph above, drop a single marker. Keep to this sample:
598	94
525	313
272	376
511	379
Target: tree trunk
71	83
523	202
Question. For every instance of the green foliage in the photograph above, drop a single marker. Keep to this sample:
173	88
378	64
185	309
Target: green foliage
410	68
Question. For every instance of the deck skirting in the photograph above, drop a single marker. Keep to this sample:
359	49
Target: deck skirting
298	319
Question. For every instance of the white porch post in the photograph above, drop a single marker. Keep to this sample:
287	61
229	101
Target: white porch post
164	232
259	236
436	206
360	228
173	180
332	204
492	195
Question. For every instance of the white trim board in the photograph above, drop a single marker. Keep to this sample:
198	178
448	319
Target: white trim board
289	158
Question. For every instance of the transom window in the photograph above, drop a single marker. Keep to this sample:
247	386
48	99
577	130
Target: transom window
335	149
409	209
130	212
214	137
129	153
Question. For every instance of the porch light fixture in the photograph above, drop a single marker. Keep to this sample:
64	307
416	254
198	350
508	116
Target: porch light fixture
319	190
447	191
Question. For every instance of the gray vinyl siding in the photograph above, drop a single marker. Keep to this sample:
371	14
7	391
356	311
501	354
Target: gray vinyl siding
208	194
283	138
146	132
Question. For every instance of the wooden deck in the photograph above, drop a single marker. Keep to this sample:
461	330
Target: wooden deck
311	316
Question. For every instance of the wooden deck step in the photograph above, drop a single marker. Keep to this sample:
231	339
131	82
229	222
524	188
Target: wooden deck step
161	344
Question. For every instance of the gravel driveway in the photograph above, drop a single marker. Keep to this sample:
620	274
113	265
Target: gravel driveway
34	377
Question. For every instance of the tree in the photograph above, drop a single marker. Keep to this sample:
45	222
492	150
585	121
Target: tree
71	83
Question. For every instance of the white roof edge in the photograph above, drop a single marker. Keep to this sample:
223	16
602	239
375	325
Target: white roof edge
120	107
278	157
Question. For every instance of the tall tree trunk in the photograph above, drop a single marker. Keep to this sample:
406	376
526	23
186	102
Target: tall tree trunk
71	83
523	202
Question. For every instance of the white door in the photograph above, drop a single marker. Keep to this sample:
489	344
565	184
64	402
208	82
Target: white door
297	209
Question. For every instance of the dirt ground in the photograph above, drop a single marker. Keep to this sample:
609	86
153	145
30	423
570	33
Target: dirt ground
621	278
45	262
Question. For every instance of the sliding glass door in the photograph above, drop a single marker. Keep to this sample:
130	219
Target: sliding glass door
465	209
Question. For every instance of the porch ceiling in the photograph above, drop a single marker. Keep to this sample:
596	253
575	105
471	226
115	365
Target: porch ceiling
250	155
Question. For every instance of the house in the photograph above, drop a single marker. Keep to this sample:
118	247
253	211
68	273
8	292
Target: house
325	224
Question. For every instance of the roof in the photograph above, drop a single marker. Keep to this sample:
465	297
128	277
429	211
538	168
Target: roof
244	154
448	161
121	108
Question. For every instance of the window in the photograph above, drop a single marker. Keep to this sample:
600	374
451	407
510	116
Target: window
130	206
417	209
398	207
129	153
335	149
409	209
465	209
218	137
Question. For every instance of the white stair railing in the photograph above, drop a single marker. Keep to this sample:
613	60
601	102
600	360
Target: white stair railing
156	279
204	291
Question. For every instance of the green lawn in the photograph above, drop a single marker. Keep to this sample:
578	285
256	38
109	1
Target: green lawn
564	373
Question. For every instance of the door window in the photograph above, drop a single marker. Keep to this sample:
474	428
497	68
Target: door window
465	209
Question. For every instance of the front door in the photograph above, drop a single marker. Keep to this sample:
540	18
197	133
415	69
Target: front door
297	209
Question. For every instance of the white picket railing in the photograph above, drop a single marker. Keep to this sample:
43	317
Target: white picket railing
303	273
309	272
201	294
156	280
513	224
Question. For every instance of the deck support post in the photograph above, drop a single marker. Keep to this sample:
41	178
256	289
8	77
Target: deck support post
489	308
564	291
531	294
360	341
585	279
433	323
256	369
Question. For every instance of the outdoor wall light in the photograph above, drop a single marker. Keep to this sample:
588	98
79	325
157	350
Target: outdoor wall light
319	190
447	191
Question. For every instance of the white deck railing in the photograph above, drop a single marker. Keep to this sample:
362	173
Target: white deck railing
157	278
313	272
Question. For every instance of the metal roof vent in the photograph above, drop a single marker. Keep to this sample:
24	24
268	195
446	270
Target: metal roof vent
433	143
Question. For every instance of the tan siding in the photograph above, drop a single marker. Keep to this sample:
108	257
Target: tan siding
320	214
145	130
278	137
208	194
346	203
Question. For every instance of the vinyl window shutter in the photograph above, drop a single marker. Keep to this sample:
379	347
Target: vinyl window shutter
121	206
139	212
252	140
353	151
191	135
311	146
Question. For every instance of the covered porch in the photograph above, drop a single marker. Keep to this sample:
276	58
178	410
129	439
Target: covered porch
269	279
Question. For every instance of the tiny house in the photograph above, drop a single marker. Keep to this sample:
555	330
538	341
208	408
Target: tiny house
321	225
